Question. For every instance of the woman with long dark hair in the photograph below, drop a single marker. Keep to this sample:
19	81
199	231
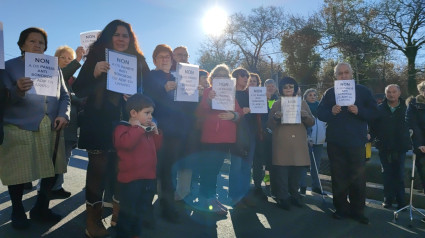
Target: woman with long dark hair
101	112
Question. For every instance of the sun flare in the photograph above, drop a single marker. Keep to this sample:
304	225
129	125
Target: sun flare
215	21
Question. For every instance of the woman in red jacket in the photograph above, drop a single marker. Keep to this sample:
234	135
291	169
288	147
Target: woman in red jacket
218	136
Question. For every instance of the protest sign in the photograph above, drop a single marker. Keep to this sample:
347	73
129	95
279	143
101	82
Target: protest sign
345	92
225	90
257	100
291	110
87	38
44	71
187	79
122	74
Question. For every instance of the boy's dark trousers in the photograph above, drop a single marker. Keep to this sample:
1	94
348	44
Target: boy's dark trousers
135	203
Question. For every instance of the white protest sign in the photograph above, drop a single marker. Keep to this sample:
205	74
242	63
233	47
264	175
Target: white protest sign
345	92
1	46
225	90
44	71
187	83
291	110
258	99
122	75
87	38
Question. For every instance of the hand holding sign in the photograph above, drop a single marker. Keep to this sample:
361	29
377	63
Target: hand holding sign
24	84
101	67
353	109
170	85
336	109
80	53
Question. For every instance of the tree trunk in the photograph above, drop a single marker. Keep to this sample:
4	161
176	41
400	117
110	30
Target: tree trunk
411	70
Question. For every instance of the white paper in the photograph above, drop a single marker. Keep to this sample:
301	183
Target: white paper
44	71
187	83
291	110
225	90
87	38
258	99
345	92
1	46
122	75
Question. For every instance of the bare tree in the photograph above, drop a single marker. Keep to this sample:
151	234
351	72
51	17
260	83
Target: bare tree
250	34
401	23
215	51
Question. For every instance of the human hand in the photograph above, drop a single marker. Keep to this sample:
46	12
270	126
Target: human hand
24	84
101	67
80	53
353	109
60	123
278	115
154	127
246	110
336	109
422	148
211	94
170	85
226	116
126	96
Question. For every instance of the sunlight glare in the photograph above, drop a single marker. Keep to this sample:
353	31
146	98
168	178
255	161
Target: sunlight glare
215	21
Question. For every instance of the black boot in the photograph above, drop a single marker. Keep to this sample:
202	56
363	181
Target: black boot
41	211
19	218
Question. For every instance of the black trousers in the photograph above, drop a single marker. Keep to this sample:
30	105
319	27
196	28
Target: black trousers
348	178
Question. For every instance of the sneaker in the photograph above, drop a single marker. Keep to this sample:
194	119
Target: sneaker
59	194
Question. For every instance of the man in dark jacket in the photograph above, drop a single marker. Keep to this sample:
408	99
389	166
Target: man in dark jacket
346	135
391	134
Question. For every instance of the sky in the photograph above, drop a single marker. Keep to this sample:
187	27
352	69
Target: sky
172	22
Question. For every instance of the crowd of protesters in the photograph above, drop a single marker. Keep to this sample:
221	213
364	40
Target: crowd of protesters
147	143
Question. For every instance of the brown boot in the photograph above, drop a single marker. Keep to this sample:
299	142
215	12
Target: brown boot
94	225
115	211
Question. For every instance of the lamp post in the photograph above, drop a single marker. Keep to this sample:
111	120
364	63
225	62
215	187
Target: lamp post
271	68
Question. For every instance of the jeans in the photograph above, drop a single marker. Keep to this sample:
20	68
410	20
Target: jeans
240	173
314	174
393	173
348	178
135	202
209	167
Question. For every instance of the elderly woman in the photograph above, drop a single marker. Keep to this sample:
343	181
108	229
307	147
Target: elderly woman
290	148
316	138
103	110
415	117
31	124
69	62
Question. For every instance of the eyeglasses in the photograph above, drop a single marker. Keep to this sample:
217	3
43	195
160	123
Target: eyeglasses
160	57
65	58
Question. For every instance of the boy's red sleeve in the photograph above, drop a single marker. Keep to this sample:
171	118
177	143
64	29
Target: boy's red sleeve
127	137
158	140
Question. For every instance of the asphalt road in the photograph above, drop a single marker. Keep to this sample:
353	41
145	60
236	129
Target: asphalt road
263	220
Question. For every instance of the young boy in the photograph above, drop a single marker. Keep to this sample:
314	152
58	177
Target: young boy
136	142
